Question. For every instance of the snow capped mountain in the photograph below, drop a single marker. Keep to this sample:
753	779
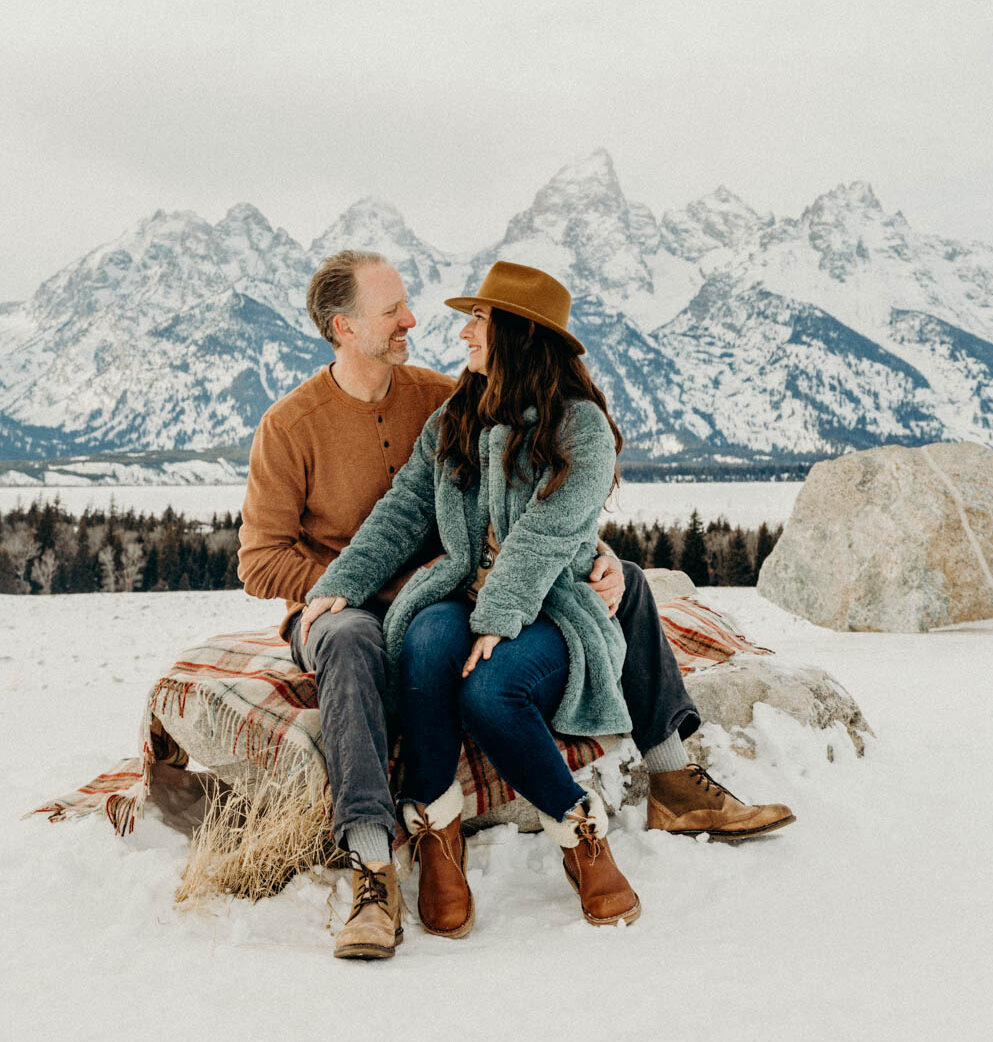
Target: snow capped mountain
713	329
716	221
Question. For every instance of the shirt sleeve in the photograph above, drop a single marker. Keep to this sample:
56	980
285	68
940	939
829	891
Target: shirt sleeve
269	562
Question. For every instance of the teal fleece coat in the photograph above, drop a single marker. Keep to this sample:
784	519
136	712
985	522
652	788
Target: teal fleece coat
547	549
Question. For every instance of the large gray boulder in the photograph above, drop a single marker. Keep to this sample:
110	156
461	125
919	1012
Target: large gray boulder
892	540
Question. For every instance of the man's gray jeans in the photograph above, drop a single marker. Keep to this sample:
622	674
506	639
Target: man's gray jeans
347	653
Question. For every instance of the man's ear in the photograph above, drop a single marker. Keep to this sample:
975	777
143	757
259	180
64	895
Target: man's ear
341	325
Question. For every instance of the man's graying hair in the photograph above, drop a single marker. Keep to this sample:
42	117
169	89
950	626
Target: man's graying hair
334	287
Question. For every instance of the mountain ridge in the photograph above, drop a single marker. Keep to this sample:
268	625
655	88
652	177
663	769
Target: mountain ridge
712	328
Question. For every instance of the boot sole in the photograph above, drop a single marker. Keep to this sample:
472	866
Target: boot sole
734	834
629	916
459	931
369	951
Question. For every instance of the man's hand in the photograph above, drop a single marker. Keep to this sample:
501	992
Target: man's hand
482	647
607	579
317	607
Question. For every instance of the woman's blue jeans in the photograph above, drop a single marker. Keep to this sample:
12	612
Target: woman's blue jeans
505	704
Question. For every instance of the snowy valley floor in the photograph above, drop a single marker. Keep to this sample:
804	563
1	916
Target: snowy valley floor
868	918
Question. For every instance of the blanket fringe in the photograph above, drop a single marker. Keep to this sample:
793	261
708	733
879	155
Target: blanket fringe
257	738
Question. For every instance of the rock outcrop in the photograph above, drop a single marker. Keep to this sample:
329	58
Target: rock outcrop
890	539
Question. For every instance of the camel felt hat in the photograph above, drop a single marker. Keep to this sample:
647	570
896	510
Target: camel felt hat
527	292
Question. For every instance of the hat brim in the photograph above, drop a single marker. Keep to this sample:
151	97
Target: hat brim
466	304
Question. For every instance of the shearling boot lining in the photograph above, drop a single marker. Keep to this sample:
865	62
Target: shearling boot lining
563	833
439	813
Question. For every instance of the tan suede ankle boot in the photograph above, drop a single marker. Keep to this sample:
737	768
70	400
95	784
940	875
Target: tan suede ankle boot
605	895
444	900
688	802
373	929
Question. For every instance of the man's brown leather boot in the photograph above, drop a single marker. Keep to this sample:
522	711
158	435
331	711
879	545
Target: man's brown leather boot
444	900
688	801
373	929
605	895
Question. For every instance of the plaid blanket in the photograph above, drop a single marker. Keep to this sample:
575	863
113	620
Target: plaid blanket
700	636
238	705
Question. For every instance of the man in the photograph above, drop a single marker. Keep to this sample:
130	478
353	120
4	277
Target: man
321	459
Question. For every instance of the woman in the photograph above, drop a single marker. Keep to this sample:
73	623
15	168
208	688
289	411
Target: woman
501	636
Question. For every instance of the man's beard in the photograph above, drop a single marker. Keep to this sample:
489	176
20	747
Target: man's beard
386	351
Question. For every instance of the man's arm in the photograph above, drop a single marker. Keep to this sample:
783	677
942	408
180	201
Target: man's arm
269	563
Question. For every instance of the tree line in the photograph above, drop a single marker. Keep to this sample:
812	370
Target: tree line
44	549
717	555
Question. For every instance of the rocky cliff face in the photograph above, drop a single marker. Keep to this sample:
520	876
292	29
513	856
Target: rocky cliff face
714	330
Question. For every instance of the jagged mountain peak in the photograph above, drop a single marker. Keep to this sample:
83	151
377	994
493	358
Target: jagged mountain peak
596	166
162	222
857	196
591	177
718	220
581	227
370	224
244	214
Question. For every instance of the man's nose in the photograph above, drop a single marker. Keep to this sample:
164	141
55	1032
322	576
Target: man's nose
409	321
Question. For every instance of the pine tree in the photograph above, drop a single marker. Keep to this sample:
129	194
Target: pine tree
150	573
693	559
231	580
632	546
766	542
83	576
739	566
45	532
9	582
171	561
662	554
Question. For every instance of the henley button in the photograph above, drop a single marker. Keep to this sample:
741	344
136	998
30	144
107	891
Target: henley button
392	469
379	419
386	444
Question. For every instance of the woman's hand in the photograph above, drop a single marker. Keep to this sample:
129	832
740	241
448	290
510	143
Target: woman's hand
481	648
317	607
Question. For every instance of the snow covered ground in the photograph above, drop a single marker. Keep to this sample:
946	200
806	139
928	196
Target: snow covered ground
746	503
868	918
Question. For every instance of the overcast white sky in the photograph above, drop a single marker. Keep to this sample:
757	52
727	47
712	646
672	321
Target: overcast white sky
458	111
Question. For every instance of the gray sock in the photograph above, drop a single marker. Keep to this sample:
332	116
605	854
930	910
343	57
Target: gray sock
668	755
370	841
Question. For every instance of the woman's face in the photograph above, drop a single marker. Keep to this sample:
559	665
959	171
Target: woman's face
476	333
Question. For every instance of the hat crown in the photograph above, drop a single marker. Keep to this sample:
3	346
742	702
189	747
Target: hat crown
529	288
527	292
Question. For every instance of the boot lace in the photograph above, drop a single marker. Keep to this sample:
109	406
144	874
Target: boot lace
371	888
586	831
701	777
424	828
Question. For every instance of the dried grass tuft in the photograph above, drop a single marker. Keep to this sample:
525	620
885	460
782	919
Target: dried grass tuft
251	846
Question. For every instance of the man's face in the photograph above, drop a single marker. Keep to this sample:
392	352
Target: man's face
381	318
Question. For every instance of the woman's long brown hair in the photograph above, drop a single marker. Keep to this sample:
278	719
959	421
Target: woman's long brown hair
528	365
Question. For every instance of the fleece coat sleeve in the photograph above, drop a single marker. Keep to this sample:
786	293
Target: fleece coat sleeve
397	527
543	541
